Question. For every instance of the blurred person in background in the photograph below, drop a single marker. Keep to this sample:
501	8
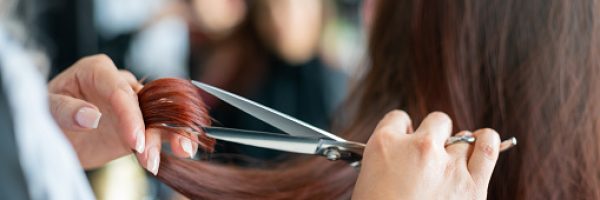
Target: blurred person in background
272	58
265	50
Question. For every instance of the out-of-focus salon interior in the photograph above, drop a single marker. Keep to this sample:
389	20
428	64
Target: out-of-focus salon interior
296	56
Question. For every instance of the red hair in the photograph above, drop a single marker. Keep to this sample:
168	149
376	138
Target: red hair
172	104
175	105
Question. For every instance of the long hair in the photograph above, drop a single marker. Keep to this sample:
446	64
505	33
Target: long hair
527	68
176	106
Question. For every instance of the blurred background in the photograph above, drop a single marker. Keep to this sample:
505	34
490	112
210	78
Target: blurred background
296	56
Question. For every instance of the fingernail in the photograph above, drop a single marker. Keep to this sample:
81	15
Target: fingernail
153	161
139	141
186	144
88	117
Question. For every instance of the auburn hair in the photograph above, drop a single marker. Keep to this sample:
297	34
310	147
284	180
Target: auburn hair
176	104
527	68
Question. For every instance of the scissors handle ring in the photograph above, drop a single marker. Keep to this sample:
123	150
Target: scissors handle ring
462	138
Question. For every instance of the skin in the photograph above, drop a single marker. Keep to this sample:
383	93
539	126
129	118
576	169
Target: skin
95	82
401	164
219	18
398	163
291	27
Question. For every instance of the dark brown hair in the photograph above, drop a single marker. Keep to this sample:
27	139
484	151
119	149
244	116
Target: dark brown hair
527	68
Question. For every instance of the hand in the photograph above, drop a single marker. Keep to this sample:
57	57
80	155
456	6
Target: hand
399	164
96	106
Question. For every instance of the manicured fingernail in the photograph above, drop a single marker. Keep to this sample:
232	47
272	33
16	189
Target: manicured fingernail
139	141
186	144
153	161
88	117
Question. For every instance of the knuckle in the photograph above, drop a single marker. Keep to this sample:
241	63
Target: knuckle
99	60
57	106
425	144
488	151
489	135
488	143
385	133
376	146
127	74
384	138
397	114
440	116
398	119
488	132
100	57
464	133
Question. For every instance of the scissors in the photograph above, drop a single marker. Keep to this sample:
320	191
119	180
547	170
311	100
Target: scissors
300	136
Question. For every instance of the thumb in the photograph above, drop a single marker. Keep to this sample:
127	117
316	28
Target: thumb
74	114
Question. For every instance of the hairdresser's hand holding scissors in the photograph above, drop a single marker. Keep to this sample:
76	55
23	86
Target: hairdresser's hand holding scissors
397	163
96	106
401	164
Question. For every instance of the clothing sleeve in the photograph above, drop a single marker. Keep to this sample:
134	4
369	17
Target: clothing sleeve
48	162
12	181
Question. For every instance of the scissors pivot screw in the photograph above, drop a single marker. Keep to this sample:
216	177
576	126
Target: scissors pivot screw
332	154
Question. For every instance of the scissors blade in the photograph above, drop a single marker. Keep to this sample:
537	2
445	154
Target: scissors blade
273	141
275	118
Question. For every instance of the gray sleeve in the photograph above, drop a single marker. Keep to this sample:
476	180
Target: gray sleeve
12	181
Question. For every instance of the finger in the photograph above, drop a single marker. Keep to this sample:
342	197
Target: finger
460	150
131	80
104	81
74	114
150	159
394	122
484	156
437	126
182	146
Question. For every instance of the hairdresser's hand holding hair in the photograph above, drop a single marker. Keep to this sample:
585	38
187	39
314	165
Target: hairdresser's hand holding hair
400	164
96	105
